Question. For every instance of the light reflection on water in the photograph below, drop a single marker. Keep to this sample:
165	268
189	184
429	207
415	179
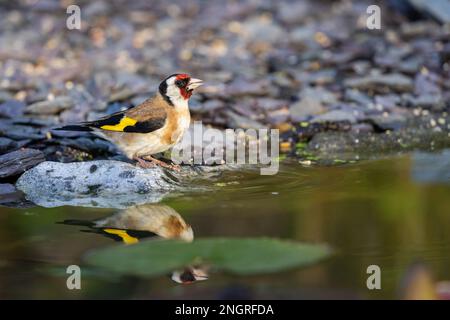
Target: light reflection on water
390	212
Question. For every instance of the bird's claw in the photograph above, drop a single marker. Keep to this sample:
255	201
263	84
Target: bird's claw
148	162
144	164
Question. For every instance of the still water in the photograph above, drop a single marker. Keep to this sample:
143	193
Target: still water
394	213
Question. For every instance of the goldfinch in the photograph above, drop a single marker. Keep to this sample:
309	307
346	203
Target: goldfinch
151	127
135	223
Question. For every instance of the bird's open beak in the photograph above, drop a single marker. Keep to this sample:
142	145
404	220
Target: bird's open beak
194	83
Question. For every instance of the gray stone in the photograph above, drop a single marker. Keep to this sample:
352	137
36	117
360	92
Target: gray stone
391	121
439	9
12	109
207	106
327	146
262	29
312	103
107	183
54	106
320	93
271	104
244	87
303	36
6	144
387	102
357	96
238	121
9	194
293	12
16	162
336	116
382	83
427	101
303	109
20	132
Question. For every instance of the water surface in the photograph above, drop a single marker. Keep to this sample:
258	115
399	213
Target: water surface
392	213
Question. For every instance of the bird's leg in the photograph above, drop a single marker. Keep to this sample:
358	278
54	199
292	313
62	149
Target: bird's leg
144	164
162	163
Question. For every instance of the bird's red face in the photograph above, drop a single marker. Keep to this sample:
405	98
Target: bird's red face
177	88
186	84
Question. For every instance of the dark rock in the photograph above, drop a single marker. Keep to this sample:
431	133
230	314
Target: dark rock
427	83
5	96
6	144
11	109
427	101
262	29
278	116
313	101
20	132
336	116
306	108
9	193
34	122
244	87
207	106
381	83
15	163
293	12
70	134
54	106
94	146
270	104
357	96
362	128
238	121
306	131
411	65
320	77
328	146
387	102
438	9
388	121
417	28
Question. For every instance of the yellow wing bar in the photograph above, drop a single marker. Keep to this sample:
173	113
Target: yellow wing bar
127	239
124	122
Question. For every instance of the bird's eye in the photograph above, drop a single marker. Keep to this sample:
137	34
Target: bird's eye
179	83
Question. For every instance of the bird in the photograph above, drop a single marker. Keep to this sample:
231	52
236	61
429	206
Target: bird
139	222
151	127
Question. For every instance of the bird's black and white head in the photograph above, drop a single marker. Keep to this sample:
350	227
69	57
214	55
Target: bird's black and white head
177	88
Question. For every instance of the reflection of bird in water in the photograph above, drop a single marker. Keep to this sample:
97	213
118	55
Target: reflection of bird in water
150	220
140	222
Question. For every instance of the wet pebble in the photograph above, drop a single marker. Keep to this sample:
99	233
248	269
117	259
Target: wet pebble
17	162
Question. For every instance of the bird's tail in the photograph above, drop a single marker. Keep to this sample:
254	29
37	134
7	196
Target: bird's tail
75	127
74	222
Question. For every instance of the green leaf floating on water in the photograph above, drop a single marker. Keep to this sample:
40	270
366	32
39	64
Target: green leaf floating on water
237	255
